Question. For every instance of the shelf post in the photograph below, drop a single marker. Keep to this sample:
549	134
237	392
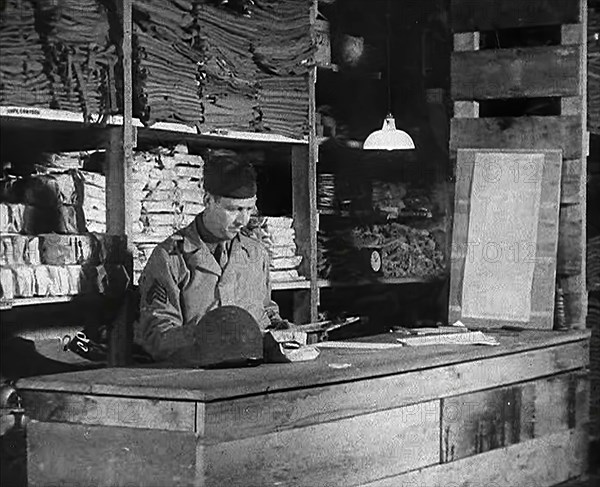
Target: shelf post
122	140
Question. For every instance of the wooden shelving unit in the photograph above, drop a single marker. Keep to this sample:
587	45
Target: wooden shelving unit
121	134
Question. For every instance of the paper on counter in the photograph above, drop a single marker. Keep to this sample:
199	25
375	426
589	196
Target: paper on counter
465	338
358	345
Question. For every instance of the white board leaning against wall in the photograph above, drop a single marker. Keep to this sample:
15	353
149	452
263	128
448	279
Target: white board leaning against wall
505	237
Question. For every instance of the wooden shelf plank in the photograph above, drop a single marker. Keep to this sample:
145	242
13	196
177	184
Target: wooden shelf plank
382	280
216	135
52	117
290	285
36	300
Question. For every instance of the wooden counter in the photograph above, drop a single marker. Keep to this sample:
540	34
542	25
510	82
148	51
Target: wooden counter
510	415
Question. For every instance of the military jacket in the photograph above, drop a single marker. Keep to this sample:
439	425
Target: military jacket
182	281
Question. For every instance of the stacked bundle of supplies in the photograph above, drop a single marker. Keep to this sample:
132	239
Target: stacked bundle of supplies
79	54
22	78
45	249
167	195
166	78
406	251
278	235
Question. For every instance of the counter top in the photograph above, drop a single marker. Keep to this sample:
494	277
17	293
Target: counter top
333	366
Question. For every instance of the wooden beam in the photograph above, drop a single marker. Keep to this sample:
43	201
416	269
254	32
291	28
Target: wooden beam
519	133
571	181
304	213
163	414
515	73
576	302
571	248
473	15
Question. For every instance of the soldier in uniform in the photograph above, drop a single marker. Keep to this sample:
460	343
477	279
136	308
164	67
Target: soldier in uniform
206	265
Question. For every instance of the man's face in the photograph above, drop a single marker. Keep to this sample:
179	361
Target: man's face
225	217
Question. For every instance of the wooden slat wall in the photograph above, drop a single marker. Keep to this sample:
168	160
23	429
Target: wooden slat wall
477	15
522	72
530	72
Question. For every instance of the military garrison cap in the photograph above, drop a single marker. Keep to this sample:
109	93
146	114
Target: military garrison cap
229	177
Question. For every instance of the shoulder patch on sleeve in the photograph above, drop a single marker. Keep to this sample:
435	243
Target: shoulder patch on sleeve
157	292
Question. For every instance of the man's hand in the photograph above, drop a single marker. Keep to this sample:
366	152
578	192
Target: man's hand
281	325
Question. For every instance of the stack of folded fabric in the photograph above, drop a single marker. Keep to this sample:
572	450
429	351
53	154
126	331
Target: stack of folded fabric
326	197
283	46
167	194
229	90
278	235
283	103
166	86
22	77
282	49
79	54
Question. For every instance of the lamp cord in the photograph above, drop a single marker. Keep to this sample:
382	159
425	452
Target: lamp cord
388	56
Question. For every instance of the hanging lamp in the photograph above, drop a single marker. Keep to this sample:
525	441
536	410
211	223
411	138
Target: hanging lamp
388	137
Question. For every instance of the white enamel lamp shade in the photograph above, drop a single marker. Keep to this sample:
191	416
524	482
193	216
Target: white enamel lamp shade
389	137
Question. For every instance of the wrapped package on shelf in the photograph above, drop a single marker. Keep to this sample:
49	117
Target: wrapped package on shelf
71	219
19	249
284	276
52	202
24	281
88	248
7	283
20	218
278	235
282	251
58	249
283	236
51	189
285	263
168	184
52	281
12	218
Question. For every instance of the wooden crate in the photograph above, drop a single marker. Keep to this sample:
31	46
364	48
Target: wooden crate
528	72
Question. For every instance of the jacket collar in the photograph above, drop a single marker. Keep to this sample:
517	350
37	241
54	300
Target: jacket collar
197	253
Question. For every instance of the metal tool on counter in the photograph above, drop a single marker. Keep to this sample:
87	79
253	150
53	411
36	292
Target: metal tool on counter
319	330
